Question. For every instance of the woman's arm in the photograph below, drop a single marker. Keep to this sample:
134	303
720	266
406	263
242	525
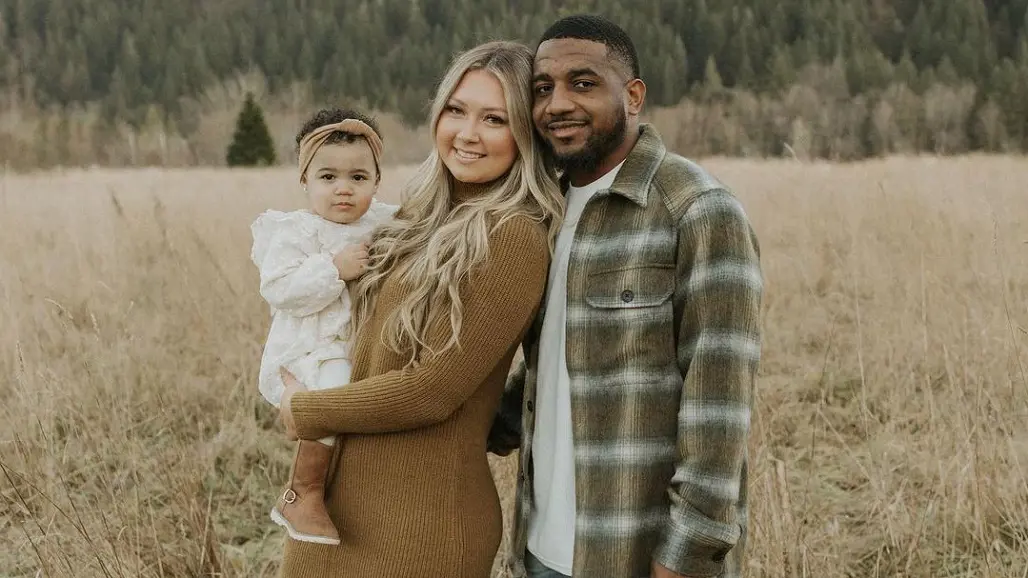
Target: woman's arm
502	298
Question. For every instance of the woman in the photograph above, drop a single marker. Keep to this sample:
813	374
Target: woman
451	288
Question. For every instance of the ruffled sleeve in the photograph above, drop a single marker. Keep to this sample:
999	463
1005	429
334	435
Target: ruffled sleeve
296	276
381	212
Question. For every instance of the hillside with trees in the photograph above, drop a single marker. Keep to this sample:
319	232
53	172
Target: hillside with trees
840	79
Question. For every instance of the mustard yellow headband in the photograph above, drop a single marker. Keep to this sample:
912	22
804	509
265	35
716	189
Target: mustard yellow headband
313	141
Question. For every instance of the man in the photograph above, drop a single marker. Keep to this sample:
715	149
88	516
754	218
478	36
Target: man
632	407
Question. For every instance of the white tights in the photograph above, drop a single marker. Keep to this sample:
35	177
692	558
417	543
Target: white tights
332	373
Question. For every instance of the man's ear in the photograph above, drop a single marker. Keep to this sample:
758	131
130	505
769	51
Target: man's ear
636	92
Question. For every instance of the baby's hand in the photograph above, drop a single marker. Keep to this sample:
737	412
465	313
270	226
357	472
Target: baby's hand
351	261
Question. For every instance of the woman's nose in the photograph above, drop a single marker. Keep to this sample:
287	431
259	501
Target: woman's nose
468	132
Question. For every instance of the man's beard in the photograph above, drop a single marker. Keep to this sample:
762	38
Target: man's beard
597	147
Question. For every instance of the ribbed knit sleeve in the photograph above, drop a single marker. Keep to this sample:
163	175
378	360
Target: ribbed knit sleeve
500	302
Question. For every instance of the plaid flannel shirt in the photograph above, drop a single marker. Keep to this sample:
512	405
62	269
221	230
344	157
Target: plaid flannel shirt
664	291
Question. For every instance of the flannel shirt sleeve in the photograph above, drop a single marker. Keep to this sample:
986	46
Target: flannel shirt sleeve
505	434
720	287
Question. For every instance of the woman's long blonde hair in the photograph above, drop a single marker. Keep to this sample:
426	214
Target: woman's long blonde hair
432	246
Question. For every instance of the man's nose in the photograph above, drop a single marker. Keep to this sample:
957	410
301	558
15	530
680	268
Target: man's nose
559	102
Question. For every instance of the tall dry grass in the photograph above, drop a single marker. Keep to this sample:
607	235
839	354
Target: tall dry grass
890	437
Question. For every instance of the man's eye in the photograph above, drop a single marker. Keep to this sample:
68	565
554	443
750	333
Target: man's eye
543	89
584	84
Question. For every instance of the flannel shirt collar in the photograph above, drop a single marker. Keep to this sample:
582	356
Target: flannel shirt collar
633	180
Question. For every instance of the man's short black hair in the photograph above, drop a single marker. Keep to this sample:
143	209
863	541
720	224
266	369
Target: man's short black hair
597	29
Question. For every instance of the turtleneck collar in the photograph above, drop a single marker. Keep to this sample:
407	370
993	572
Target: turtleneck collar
465	191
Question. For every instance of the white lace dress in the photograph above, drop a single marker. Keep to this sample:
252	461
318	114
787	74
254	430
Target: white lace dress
310	306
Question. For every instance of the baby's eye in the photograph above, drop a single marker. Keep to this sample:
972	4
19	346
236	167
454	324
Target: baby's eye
328	178
360	178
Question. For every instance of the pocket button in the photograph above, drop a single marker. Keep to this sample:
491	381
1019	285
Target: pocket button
627	296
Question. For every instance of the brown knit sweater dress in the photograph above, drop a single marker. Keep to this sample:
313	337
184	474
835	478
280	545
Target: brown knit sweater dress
410	490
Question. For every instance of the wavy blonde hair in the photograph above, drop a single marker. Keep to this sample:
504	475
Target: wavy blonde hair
432	246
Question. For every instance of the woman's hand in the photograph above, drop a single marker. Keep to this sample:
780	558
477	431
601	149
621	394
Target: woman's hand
293	386
351	261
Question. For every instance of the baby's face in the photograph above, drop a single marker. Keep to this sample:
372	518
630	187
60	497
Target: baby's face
341	181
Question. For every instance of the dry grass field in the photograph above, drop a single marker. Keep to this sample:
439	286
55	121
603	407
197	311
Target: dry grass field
891	437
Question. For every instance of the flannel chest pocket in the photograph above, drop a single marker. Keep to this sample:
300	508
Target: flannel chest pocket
631	287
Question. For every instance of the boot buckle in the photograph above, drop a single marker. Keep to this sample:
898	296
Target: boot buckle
289	496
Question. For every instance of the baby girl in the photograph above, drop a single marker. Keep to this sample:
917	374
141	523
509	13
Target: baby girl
306	258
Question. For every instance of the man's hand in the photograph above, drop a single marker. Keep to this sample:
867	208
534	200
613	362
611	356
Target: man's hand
351	261
293	386
659	571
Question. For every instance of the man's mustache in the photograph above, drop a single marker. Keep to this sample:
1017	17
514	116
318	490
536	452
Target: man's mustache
551	120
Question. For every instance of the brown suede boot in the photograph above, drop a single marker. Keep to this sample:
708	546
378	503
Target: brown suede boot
301	508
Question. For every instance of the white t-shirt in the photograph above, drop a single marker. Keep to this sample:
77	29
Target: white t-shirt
551	524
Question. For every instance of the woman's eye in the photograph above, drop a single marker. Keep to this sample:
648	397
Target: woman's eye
453	109
494	120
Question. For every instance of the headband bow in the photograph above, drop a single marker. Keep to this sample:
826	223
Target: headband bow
313	141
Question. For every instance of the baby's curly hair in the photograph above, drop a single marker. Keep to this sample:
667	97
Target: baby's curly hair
332	116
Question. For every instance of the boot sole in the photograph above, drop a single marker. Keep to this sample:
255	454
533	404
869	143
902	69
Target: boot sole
279	519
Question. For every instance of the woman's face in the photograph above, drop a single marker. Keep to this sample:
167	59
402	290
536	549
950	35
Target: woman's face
473	136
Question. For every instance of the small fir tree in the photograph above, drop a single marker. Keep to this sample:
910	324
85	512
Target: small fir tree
251	142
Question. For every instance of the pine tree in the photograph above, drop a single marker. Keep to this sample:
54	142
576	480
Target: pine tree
711	77
782	72
251	142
